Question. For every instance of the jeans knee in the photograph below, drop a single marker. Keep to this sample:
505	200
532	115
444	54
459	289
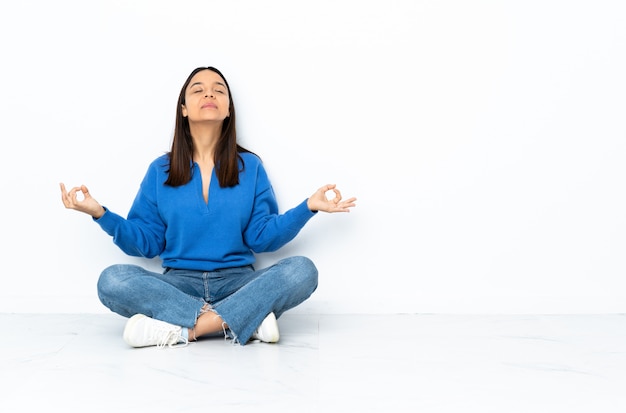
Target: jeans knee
305	272
111	280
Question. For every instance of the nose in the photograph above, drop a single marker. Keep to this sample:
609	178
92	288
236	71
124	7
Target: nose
209	93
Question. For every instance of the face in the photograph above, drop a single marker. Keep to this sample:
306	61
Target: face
206	98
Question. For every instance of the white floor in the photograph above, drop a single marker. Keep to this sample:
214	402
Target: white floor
323	363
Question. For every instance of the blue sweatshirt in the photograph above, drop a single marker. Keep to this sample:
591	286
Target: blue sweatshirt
176	224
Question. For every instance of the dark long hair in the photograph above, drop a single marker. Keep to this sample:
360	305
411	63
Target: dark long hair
227	151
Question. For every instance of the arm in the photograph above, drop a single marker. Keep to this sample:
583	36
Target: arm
134	236
269	231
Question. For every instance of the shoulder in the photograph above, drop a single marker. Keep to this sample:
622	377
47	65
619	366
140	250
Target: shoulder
158	167
250	158
252	168
160	164
161	161
250	162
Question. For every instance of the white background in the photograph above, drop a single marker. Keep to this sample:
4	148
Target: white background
485	141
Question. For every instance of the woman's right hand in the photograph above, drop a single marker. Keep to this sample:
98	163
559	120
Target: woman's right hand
88	205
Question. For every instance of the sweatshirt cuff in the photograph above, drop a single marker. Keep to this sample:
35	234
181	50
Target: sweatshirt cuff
101	216
304	210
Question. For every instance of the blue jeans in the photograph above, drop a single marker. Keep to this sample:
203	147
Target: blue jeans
241	296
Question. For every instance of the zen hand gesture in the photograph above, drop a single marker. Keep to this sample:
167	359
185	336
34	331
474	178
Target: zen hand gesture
88	205
319	202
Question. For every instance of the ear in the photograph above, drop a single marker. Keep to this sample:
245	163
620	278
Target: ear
184	111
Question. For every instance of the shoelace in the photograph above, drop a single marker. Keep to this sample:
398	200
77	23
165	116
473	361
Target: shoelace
171	339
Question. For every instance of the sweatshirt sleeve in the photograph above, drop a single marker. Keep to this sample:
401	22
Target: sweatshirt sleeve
142	233
268	230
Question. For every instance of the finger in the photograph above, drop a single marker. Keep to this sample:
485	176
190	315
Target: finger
327	188
72	197
346	205
337	196
63	192
85	191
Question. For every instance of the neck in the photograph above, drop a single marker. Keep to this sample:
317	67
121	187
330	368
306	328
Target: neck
205	137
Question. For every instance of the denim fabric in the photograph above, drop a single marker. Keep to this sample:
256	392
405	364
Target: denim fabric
242	296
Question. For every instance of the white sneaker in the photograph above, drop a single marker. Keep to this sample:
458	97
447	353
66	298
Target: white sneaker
143	331
268	330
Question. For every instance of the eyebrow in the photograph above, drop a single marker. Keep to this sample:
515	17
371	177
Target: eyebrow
202	84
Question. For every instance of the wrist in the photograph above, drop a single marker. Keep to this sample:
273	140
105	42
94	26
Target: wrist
99	214
308	205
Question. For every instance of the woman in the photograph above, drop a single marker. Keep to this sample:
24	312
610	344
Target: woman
205	208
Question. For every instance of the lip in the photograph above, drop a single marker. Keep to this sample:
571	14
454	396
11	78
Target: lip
209	106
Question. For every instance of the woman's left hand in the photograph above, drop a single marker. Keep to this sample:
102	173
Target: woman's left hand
320	202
